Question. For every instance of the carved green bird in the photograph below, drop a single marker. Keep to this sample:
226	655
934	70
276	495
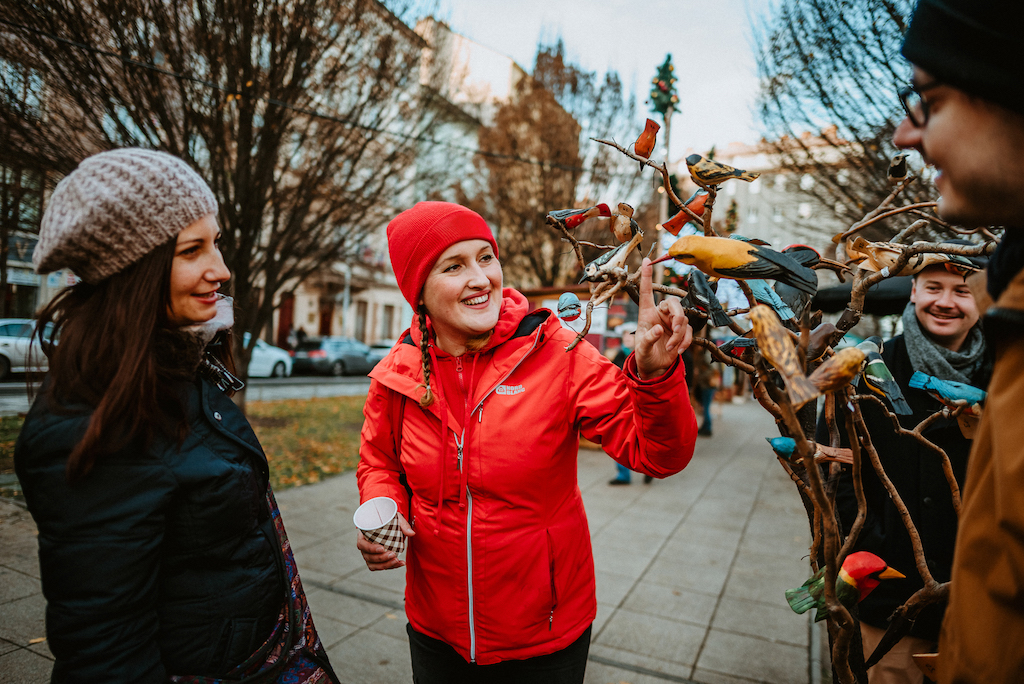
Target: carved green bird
858	577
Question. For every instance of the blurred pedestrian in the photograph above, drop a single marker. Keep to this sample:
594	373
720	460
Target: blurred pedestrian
965	115
627	332
705	384
478	411
162	553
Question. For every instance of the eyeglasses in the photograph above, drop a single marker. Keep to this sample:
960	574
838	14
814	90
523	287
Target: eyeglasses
915	105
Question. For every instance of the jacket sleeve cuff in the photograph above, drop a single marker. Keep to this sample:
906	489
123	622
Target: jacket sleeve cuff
633	373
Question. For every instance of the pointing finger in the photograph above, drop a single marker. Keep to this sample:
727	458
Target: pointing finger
646	291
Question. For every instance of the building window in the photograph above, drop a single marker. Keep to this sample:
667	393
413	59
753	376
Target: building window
361	311
752	215
387	322
777	214
780	182
755	186
805	210
806	182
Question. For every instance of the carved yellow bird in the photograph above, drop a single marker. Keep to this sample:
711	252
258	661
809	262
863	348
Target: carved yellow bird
838	371
710	172
776	345
741	260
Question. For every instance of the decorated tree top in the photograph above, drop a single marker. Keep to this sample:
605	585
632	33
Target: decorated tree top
663	92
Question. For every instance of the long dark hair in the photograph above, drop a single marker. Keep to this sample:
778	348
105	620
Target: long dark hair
106	358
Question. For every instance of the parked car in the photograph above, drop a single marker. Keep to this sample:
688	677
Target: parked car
333	356
380	349
268	361
17	346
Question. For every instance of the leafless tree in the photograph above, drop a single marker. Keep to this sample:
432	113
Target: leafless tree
539	156
829	71
303	115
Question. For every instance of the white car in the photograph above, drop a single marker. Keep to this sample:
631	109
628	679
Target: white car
18	345
268	361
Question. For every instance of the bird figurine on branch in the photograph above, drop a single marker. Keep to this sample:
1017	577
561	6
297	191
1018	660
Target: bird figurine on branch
698	200
644	145
837	371
709	172
949	392
878	379
740	260
881	257
778	349
898	168
785	448
701	296
569	307
623	226
571	218
611	263
860	573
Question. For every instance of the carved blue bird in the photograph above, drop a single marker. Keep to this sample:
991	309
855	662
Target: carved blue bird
784	447
764	294
948	391
569	307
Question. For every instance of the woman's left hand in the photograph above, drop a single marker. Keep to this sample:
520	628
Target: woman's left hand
662	331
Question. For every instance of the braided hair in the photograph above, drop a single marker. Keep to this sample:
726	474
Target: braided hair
428	397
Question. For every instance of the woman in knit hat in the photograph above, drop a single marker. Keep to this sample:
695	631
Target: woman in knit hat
162	553
472	426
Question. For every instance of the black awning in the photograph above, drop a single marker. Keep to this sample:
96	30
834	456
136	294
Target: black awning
886	298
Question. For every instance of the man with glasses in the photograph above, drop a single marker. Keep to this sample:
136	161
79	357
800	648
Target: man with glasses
965	115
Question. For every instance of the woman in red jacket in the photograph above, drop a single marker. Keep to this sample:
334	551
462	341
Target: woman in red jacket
472	426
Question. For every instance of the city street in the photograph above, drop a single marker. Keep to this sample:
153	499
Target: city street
691	573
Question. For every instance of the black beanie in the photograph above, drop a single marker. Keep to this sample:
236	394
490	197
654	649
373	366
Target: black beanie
973	45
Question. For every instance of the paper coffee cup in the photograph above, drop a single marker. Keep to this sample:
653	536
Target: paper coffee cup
378	520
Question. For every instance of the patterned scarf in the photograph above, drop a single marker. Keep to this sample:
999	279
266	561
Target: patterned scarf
934	359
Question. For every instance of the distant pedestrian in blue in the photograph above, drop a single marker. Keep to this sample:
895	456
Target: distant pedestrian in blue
623	475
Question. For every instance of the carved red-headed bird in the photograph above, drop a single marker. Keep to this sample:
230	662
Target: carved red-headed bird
695	204
777	347
623	226
860	573
739	260
710	172
837	371
571	218
644	145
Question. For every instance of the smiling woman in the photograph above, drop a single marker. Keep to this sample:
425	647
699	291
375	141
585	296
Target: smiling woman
500	581
162	552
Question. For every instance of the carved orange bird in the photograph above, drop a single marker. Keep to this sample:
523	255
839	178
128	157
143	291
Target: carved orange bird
695	204
644	145
838	371
778	349
624	227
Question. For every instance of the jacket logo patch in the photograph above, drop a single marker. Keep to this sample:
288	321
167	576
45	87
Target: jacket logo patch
510	389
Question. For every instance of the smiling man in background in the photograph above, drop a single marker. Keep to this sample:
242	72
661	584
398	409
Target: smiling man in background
965	115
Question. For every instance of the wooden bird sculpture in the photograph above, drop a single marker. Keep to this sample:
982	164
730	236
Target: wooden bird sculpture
949	392
644	145
571	218
737	345
764	294
710	172
569	306
882	256
795	299
698	200
898	168
623	226
778	349
879	380
860	573
701	296
785	448
837	371
600	268
739	260
819	339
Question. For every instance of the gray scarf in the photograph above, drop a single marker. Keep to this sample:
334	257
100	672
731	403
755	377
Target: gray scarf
929	357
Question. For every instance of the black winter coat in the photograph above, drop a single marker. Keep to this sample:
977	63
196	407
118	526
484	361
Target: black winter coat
160	561
917	474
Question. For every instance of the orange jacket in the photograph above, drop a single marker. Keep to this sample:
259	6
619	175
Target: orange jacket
501	566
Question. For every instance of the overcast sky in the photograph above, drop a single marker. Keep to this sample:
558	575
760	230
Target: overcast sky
709	41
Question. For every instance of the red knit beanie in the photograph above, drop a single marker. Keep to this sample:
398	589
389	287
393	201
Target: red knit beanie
418	236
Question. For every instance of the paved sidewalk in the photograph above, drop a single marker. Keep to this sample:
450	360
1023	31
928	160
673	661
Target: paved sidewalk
690	574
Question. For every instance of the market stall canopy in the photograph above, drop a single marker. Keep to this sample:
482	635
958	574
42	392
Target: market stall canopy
886	298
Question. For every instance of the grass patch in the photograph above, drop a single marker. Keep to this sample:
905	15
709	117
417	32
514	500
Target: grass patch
307	440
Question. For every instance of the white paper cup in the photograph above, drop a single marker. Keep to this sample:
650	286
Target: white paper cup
378	520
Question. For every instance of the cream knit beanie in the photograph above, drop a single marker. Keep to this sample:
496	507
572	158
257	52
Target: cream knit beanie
115	208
